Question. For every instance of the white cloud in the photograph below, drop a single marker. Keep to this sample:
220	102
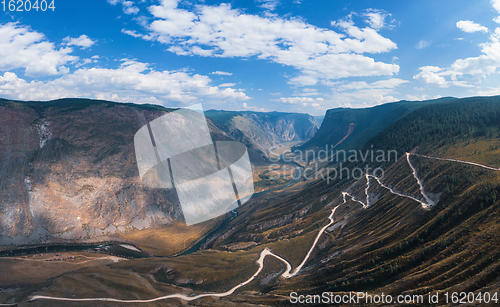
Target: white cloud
345	94
269	4
430	75
470	27
496	5
132	33
492	91
361	85
128	6
497	19
377	19
83	41
362	94
319	54
227	84
221	73
20	47
421	97
131	82
423	44
254	108
303	101
84	62
363	98
136	34
307	92
477	67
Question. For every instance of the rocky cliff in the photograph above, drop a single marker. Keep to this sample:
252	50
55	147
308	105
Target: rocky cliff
68	171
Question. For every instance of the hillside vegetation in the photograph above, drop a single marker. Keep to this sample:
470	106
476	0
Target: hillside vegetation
367	122
462	120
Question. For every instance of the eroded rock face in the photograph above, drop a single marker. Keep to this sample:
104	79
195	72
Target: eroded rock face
68	171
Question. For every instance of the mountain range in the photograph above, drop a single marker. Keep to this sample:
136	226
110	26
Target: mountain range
427	224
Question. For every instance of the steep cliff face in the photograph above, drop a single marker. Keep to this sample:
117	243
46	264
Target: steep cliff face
68	171
262	131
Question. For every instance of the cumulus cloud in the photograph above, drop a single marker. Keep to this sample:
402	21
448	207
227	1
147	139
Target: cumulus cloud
496	5
131	82
470	27
477	67
83	41
319	54
20	47
377	19
430	75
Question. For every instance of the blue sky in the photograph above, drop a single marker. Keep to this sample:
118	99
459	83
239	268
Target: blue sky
263	55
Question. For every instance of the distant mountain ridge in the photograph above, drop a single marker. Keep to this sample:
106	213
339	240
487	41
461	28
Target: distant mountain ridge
262	131
338	123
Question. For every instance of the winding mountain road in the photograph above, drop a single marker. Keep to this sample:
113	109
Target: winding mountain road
267	252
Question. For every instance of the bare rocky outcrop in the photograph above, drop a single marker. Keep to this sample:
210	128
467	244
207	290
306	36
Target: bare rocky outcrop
68	171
